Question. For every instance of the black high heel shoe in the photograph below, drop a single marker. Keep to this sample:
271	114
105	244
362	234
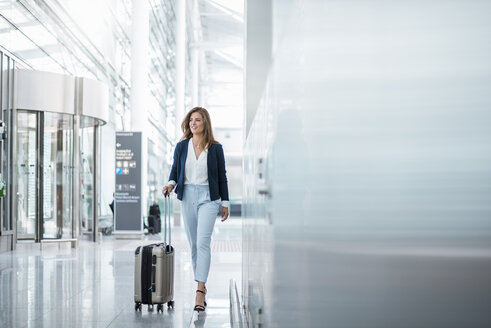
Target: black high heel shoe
200	307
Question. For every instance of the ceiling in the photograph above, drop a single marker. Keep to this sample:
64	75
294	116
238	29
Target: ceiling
217	28
219	33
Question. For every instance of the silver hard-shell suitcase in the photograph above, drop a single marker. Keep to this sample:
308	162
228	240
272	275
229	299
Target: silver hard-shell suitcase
154	270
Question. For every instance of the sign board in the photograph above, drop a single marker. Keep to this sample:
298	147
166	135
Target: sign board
127	195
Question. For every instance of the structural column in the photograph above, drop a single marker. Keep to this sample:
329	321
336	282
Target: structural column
180	80
139	84
180	62
257	55
195	77
195	53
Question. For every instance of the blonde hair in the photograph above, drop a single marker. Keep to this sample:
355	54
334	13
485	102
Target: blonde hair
208	137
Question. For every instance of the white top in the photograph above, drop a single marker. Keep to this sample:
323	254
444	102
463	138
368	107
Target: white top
196	170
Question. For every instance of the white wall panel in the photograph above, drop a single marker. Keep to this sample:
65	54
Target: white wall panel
45	91
375	131
95	99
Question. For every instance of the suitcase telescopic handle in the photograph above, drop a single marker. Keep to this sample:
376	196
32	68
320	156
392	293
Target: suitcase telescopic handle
165	221
170	230
167	212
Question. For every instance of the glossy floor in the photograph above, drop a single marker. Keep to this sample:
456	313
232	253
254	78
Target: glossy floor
92	286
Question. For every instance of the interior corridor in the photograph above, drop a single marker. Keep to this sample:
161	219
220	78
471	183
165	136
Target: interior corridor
92	285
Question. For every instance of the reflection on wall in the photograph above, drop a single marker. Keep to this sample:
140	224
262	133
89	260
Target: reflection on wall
368	168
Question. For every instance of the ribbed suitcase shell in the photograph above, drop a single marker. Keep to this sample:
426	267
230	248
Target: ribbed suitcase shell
162	281
163	290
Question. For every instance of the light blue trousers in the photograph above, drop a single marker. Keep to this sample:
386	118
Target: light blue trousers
199	214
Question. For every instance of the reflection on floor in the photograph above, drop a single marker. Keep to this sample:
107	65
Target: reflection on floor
92	286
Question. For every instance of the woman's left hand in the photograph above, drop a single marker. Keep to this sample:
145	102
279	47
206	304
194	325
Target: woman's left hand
224	213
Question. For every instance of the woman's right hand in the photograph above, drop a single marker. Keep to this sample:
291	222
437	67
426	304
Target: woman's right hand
167	190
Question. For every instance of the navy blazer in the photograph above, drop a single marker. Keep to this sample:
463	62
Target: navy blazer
217	177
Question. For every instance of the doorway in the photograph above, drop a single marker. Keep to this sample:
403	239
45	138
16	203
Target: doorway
44	175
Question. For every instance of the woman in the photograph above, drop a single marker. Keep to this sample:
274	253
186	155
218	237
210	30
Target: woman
199	176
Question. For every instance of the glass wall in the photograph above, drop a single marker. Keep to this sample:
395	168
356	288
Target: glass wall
58	38
161	111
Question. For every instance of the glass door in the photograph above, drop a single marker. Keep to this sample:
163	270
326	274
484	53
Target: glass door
57	140
44	175
86	175
27	164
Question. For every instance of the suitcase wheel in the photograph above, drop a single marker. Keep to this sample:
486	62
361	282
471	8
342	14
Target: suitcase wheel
138	307
160	308
170	304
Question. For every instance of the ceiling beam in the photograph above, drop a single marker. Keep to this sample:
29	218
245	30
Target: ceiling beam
229	58
235	15
214	14
39	52
209	83
208	45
